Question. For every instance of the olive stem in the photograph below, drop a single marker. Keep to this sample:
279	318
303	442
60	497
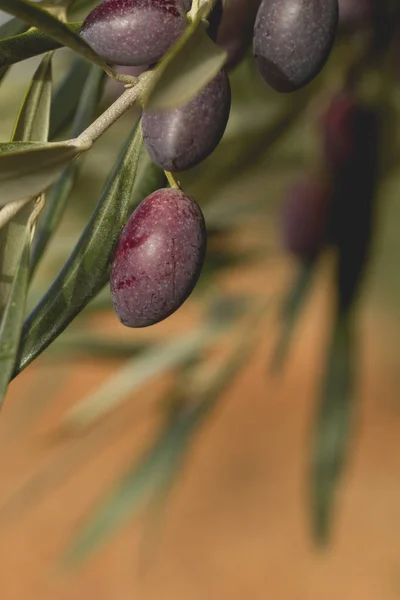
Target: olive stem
172	181
115	111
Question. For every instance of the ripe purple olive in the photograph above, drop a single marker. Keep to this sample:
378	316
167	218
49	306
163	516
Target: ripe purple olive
181	138
292	40
134	32
305	217
158	259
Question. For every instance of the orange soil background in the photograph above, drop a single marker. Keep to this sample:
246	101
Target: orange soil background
236	524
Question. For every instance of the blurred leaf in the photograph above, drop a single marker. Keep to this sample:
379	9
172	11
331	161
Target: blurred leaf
50	26
12	27
26	45
87	344
157	469
67	96
59	194
291	310
85	272
13	316
138	371
333	426
190	65
28	168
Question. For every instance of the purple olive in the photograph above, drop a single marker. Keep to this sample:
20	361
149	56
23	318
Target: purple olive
158	259
305	217
292	40
134	32
181	138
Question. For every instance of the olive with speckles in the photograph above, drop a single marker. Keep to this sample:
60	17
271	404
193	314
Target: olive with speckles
181	138
158	259
134	32
292	40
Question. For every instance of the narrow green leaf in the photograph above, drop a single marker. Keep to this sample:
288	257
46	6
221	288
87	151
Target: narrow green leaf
67	96
59	194
34	116
85	272
13	317
28	168
52	27
158	468
333	427
77	344
190	65
291	310
26	45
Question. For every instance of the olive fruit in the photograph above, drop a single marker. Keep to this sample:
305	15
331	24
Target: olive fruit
181	138
305	217
158	258
134	32
292	40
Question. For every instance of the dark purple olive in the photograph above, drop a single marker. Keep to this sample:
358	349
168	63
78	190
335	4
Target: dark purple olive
134	32
181	138
305	217
158	259
292	40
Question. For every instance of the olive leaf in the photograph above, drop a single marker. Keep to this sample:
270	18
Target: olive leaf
158	467
86	271
138	371
28	168
32	123
291	309
52	27
58	196
26	45
15	238
186	68
13	316
333	426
